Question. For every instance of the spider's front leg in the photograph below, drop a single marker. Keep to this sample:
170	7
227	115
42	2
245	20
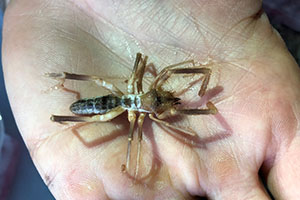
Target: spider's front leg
197	70
202	70
163	74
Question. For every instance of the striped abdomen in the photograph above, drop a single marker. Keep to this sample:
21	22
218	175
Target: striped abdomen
97	105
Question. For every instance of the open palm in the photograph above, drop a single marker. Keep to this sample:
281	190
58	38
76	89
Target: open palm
254	85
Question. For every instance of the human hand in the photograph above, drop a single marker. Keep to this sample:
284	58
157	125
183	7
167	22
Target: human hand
258	106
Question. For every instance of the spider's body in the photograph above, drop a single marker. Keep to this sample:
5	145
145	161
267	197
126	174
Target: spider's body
156	102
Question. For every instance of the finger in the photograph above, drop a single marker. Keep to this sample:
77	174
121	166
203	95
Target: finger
284	176
231	177
240	187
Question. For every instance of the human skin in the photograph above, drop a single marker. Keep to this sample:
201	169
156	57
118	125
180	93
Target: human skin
253	139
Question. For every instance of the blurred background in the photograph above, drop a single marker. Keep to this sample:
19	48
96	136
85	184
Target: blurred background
18	177
19	180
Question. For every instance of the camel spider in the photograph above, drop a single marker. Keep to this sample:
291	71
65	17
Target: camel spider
156	102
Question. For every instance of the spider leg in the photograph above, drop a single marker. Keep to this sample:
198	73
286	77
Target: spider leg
132	119
211	109
162	73
198	70
140	75
80	77
136	78
132	79
95	118
140	137
167	124
61	86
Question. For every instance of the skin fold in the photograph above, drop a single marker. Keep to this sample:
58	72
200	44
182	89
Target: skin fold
254	84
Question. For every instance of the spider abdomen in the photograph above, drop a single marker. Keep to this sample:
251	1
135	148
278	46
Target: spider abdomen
97	105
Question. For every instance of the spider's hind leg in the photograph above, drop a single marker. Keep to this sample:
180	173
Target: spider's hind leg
95	118
81	77
60	85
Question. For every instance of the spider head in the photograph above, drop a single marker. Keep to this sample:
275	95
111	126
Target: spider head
159	101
